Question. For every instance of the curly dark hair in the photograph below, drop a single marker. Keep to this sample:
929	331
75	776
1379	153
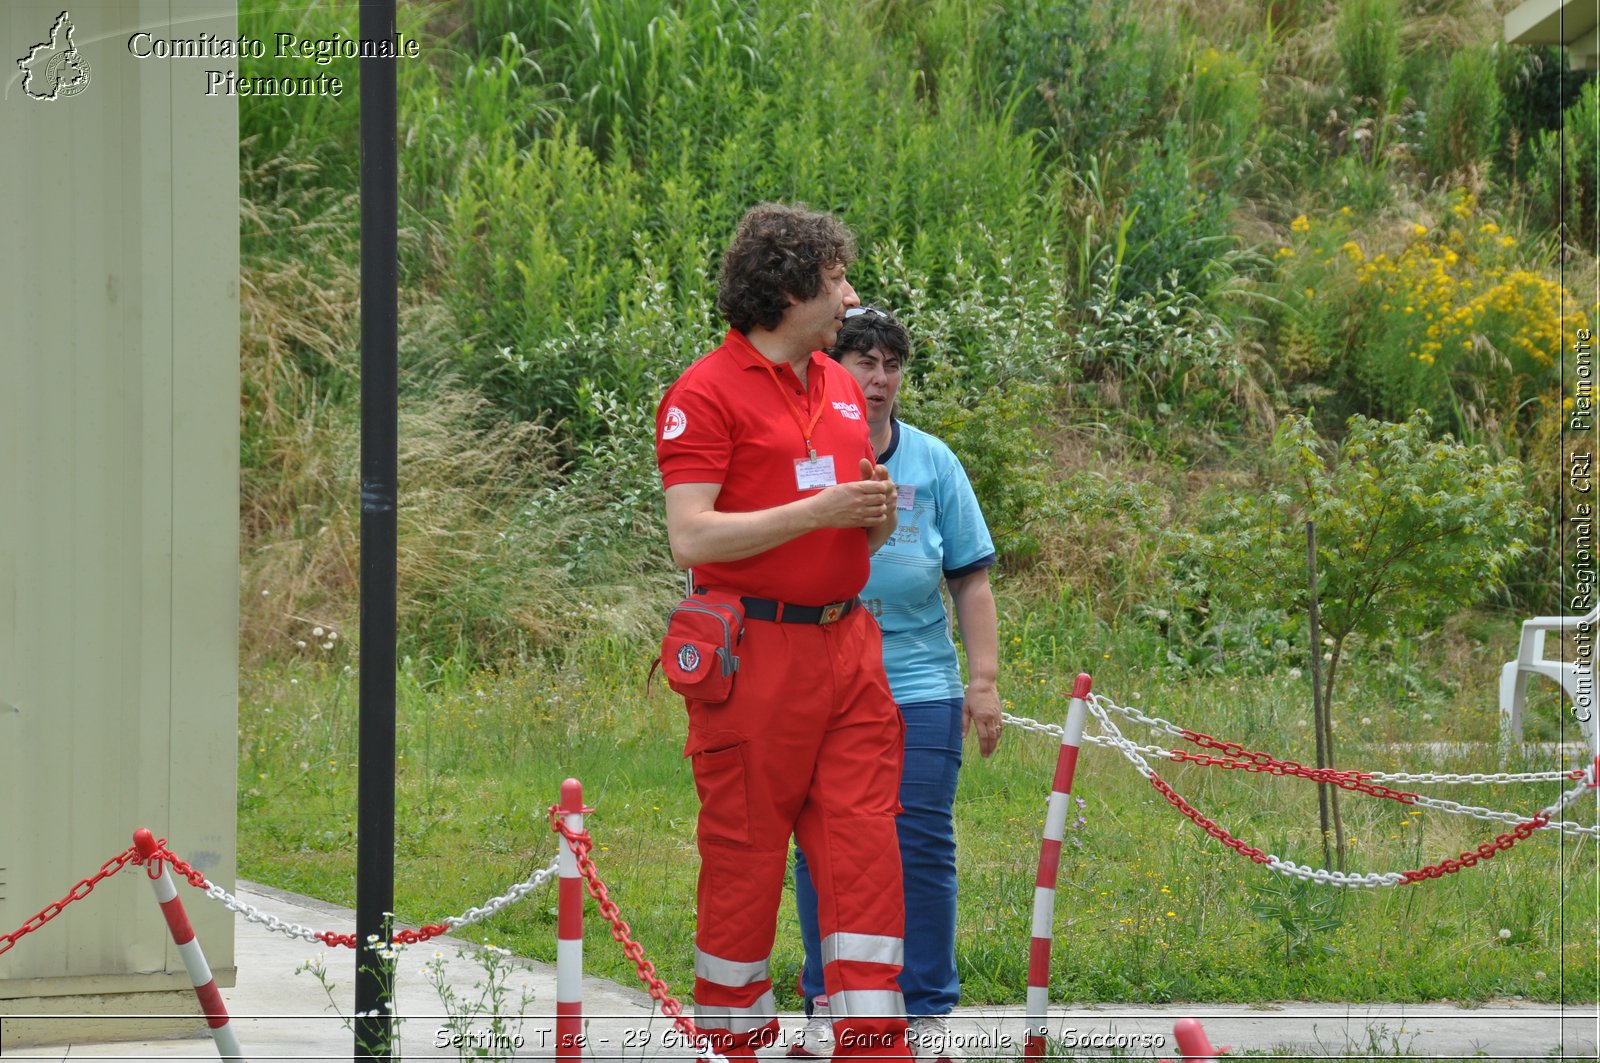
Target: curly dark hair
779	251
869	327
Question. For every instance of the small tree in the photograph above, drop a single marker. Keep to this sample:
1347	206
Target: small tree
1409	529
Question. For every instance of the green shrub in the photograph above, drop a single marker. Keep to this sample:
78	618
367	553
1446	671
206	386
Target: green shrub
996	436
1179	233
1465	114
1090	76
1536	86
1368	39
1447	319
1223	107
630	72
1162	355
1562	174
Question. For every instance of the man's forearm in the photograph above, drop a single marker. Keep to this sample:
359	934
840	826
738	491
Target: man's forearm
714	536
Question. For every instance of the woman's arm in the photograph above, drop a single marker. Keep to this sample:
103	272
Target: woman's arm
979	623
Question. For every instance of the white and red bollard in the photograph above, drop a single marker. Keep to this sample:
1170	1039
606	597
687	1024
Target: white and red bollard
205	986
569	933
1044	887
1192	1042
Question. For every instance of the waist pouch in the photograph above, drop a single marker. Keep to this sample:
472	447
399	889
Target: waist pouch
698	651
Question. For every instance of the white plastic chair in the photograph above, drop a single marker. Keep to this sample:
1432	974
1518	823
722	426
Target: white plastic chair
1575	677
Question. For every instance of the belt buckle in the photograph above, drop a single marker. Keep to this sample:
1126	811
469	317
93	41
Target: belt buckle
832	611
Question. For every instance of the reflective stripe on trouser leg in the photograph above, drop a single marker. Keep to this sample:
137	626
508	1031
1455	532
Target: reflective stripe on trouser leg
739	893
732	1020
868	948
860	955
717	977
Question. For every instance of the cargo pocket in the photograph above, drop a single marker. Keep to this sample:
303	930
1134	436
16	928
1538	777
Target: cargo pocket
721	779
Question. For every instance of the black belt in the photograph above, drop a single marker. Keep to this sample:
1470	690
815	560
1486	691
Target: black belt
785	613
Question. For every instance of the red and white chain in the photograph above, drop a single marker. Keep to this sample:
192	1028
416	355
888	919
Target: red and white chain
1442	778
1113	737
256	915
1437	804
455	922
511	896
1565	826
1323	876
1477	778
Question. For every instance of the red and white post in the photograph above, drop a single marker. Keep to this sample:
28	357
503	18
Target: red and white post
1044	887
569	933
1193	1043
205	986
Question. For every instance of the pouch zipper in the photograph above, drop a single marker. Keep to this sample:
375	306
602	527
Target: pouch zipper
730	663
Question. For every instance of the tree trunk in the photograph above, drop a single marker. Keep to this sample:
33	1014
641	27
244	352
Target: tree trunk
1318	709
1327	720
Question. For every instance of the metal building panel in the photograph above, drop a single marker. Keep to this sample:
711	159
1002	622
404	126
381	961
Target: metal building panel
118	493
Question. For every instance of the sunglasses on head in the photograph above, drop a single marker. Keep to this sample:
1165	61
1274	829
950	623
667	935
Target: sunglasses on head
857	311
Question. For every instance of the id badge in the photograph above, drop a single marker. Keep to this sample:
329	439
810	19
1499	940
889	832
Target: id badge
905	496
813	474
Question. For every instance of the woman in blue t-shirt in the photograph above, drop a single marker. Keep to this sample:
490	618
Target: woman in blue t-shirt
941	538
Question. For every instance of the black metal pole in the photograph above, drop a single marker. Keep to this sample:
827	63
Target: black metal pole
374	1028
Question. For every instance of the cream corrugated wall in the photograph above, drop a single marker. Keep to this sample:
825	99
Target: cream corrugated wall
119	344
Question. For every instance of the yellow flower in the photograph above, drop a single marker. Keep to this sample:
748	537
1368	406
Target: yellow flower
1344	212
1488	228
1285	252
1302	224
1310	292
1419	230
1508	241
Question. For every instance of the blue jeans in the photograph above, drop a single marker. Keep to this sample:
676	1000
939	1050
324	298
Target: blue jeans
928	857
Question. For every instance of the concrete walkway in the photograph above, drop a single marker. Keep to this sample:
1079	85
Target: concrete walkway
286	1016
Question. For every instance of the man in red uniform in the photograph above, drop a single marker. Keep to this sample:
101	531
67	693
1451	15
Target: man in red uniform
772	495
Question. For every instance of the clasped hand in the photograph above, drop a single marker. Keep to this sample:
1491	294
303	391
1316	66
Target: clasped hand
865	503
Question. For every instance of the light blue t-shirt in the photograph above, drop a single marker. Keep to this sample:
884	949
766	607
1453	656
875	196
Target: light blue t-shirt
941	536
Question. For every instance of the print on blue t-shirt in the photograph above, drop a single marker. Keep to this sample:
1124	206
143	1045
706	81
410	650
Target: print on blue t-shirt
943	534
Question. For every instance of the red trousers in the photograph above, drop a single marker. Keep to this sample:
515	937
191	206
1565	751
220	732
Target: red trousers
809	745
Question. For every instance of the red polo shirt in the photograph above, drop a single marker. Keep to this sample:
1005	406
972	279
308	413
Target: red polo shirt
725	421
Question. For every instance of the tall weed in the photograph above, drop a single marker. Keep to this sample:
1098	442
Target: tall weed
1464	115
1368	39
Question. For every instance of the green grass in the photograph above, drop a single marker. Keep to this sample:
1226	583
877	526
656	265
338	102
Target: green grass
568	174
1148	910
